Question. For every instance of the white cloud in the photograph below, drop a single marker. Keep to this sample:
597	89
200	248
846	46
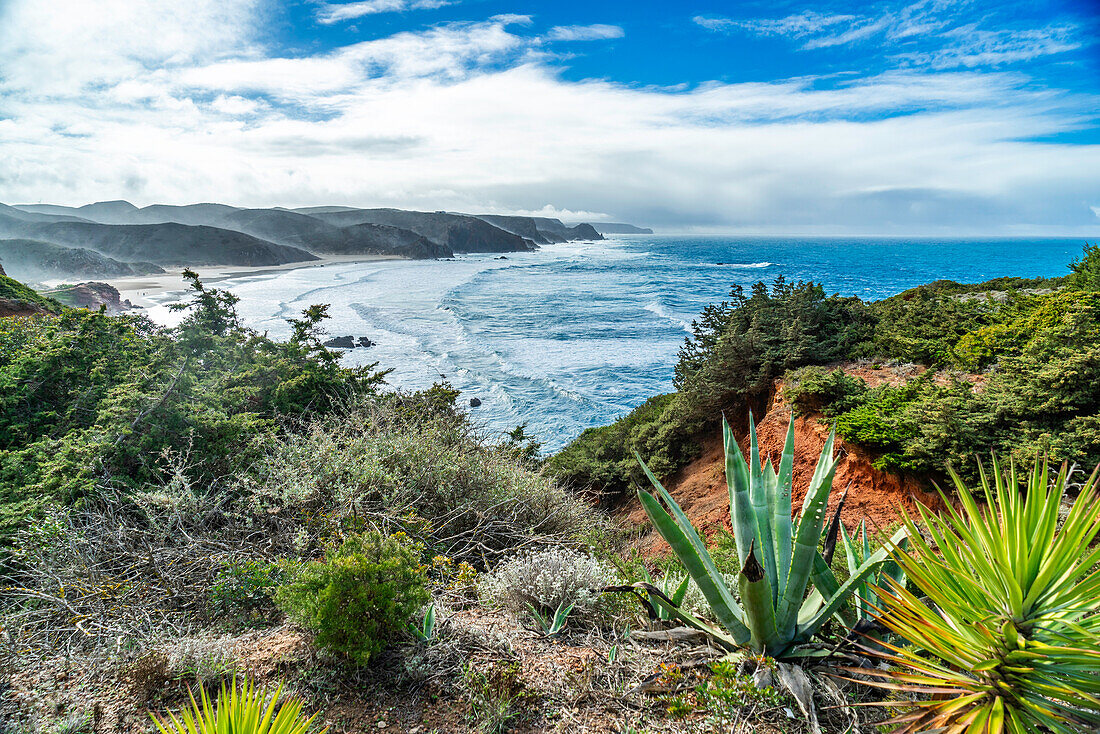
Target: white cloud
235	105
549	210
806	23
596	32
1096	211
951	39
475	117
335	12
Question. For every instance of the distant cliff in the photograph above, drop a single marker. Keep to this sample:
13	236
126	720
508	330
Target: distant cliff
167	244
91	296
459	232
33	261
110	239
620	228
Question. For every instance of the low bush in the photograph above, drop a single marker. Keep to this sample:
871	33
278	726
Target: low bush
361	597
548	579
242	591
812	389
393	463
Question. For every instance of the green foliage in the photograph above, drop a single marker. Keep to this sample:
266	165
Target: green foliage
1003	627
729	697
551	624
242	709
496	697
425	630
857	549
778	559
360	597
812	389
88	400
13	290
740	346
600	457
242	591
1085	273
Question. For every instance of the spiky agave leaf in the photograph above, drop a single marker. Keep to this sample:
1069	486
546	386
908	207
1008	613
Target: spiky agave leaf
1007	636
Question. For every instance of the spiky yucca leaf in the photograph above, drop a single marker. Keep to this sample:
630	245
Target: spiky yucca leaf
242	709
1007	638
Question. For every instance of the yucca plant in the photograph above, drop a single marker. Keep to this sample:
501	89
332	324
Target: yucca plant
1007	636
241	709
778	558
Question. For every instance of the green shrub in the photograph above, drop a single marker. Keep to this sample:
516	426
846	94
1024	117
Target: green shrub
88	400
1086	271
813	389
242	591
429	475
360	597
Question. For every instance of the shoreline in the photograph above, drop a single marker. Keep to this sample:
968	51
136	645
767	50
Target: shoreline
147	291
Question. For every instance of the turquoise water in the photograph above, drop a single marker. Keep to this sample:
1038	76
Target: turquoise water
576	335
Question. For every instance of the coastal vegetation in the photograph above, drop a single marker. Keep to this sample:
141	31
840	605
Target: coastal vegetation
202	507
1007	366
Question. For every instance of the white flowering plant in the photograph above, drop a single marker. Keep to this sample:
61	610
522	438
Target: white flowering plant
547	580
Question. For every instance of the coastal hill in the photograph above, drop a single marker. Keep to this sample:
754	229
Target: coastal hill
460	232
32	260
620	228
116	238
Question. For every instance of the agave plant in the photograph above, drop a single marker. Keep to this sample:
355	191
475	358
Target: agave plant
1008	639
240	710
674	588
778	558
857	550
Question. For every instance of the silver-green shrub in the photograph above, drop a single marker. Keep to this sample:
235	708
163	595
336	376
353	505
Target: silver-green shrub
547	579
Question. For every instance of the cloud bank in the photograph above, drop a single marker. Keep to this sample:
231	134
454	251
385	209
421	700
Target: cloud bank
192	105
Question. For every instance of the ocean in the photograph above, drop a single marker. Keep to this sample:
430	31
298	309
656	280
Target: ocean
576	335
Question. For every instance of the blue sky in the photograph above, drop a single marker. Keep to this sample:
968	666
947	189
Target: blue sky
925	117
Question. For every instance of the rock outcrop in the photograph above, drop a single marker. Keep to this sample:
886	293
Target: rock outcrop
91	296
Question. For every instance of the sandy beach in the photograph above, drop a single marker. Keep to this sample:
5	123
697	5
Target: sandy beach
151	290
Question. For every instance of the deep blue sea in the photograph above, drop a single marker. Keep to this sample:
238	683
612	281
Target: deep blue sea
576	335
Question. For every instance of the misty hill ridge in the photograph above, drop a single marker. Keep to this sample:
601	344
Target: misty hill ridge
168	244
460	232
114	237
33	261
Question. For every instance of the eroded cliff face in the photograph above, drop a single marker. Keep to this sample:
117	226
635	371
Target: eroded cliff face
700	487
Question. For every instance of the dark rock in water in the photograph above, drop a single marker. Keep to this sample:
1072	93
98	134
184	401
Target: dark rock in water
502	257
474	402
341	342
365	342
